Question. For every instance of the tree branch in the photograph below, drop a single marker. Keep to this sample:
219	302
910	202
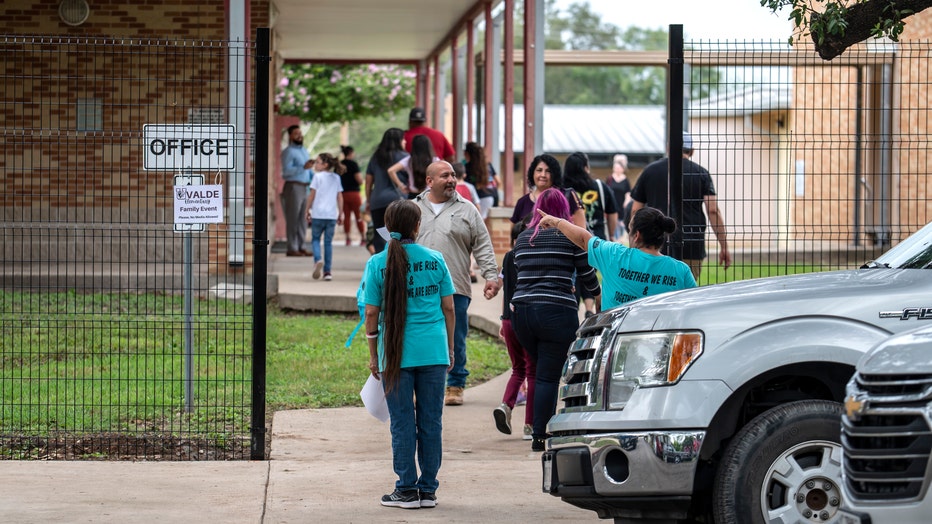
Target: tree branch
861	19
322	129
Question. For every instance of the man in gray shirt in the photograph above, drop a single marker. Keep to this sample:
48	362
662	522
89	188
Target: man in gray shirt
297	174
452	225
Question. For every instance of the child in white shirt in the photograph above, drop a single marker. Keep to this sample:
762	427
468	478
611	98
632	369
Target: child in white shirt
325	210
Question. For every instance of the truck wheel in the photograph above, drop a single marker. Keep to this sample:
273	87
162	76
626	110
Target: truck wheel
783	466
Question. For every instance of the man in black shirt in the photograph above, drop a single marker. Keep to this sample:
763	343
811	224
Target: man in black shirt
652	190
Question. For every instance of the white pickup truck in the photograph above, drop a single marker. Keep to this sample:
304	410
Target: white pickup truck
724	402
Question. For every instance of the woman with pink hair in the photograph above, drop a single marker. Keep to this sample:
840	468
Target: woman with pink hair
546	313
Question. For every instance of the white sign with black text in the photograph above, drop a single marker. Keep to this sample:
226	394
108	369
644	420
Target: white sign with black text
198	204
175	147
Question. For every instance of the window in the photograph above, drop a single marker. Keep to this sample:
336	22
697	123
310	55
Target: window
89	115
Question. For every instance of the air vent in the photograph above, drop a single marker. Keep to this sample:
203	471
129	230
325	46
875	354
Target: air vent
74	12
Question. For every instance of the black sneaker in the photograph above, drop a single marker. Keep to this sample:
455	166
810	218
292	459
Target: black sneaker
407	499
538	444
428	500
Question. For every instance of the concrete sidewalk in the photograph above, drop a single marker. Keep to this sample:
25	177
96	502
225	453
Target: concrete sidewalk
326	465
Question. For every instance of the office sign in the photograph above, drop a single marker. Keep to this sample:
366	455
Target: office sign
177	147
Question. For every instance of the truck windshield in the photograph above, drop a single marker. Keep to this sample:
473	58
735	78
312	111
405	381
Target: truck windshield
913	253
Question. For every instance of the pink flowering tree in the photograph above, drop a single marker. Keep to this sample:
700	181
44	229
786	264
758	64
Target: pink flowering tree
343	93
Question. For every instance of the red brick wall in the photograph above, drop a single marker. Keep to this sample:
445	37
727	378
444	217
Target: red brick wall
63	173
203	20
824	119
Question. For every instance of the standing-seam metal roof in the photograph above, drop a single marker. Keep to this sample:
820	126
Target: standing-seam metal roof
594	129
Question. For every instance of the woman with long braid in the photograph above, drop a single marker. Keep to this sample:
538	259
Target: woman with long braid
409	326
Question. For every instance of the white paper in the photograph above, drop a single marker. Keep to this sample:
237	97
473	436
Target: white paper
384	233
373	397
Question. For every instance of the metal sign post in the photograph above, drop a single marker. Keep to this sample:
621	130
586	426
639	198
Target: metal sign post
184	148
188	322
188	300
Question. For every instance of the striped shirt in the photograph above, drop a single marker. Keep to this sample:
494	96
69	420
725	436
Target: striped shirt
546	269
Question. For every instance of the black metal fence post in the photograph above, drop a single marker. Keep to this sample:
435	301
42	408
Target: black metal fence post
675	81
260	246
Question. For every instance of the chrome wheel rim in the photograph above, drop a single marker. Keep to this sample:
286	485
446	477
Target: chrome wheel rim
803	484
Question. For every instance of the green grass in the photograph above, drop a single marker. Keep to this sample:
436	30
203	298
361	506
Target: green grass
713	273
113	362
308	365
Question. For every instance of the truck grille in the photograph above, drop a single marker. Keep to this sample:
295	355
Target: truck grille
901	385
888	444
578	374
581	388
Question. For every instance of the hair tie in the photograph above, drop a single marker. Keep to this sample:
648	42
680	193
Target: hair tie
396	236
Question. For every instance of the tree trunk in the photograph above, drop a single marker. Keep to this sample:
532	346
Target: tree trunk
861	19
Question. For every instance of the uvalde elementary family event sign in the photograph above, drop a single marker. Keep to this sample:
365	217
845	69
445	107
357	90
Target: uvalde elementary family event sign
185	149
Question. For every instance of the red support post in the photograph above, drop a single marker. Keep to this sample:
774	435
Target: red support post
530	71
438	98
470	81
508	123
490	63
456	135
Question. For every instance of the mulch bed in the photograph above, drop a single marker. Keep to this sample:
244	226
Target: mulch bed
116	446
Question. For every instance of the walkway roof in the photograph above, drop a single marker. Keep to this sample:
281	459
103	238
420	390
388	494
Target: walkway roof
368	30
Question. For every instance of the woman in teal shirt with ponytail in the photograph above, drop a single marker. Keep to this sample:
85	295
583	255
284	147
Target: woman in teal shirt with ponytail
409	328
629	273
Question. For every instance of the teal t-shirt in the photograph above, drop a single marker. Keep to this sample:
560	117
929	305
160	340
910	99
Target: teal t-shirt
425	338
629	274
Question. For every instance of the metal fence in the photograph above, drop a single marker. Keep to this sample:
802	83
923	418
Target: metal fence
126	324
123	333
817	165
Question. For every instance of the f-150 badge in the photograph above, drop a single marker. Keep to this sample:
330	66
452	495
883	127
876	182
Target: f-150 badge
919	313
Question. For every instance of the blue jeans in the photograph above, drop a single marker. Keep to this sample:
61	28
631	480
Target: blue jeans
323	226
546	332
416	408
457	375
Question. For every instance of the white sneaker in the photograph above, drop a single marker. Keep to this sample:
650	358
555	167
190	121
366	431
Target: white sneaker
318	268
528	432
502	416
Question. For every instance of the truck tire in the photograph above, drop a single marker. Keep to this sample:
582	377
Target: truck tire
783	466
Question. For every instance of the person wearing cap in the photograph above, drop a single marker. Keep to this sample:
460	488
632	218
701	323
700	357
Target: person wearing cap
651	190
416	126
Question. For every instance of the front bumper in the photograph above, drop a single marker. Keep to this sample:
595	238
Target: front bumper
889	512
632	474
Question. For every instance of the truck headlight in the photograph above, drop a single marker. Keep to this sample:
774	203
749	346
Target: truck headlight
649	360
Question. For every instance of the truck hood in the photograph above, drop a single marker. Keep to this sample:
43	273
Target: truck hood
786	287
904	354
862	294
